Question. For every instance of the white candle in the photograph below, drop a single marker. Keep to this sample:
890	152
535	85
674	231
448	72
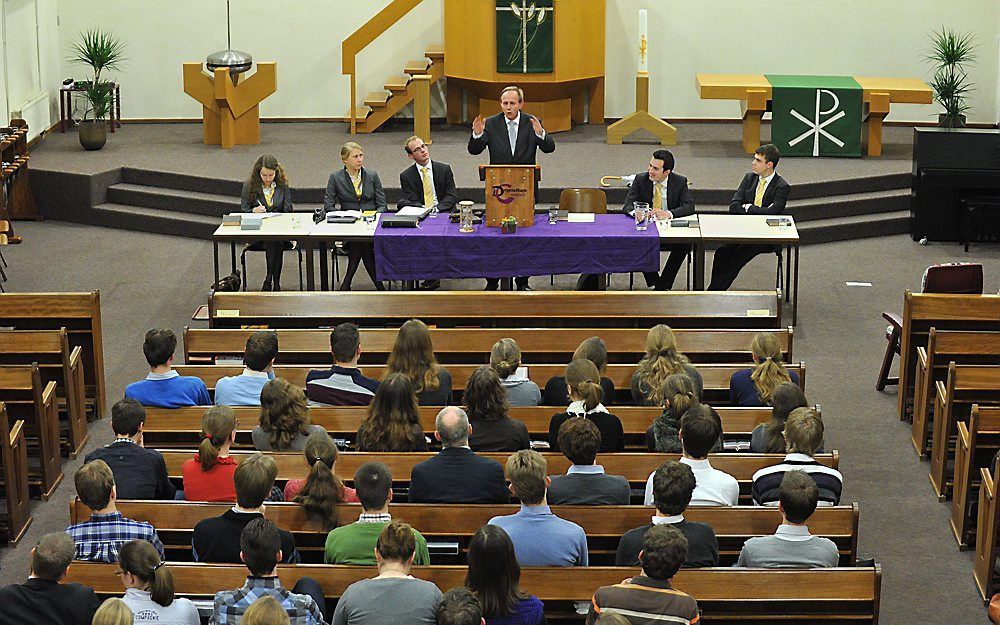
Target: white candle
643	42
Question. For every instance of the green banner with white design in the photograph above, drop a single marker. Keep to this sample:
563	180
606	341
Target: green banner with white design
524	36
816	115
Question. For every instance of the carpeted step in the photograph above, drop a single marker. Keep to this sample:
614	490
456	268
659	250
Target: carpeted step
849	205
194	202
854	227
182	182
143	219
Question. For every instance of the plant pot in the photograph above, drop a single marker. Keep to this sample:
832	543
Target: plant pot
947	121
93	134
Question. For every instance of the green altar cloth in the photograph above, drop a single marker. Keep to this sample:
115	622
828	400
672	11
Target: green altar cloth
816	115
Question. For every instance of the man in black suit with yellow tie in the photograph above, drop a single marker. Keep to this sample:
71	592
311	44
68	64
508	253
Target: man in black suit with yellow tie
513	138
761	192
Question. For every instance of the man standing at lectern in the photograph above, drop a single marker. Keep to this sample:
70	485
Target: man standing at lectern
513	138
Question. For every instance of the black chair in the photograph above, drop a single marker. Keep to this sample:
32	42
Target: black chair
258	246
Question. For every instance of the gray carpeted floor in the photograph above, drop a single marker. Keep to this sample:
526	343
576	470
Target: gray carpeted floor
151	280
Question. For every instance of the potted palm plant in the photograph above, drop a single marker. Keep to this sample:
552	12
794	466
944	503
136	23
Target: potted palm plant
951	53
101	51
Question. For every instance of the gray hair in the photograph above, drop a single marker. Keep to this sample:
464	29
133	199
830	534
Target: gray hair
452	434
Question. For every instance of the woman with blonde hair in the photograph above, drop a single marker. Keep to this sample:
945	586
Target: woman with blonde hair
267	191
413	355
488	408
755	387
584	383
662	359
678	395
113	612
769	438
393	421
594	350
265	611
284	418
209	475
322	490
149	587
505	359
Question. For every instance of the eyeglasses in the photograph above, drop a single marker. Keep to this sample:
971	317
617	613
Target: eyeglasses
119	572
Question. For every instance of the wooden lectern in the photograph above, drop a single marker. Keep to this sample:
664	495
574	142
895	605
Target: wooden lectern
231	110
510	191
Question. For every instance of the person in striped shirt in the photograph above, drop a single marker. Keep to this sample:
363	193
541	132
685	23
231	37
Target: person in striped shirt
342	384
803	437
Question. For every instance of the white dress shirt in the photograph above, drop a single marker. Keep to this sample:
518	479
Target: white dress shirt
712	487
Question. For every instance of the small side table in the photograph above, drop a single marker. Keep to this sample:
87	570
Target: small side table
66	107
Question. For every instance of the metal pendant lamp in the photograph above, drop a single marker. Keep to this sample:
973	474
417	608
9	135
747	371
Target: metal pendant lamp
235	61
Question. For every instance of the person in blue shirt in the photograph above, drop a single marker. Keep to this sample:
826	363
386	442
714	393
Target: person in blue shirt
258	358
164	387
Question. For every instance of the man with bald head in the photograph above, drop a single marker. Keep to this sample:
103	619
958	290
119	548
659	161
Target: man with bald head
457	474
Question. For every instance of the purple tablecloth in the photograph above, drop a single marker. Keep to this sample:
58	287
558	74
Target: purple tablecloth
438	250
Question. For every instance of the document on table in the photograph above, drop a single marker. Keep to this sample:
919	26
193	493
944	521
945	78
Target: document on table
414	211
580	218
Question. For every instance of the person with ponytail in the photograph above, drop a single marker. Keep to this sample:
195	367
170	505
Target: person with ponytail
662	359
323	449
413	355
769	438
149	587
209	475
755	387
678	395
322	490
594	350
584	383
505	359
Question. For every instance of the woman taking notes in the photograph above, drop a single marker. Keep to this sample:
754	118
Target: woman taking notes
266	191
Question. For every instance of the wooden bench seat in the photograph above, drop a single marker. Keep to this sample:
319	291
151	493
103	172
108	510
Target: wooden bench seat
28	399
14	462
987	532
975	447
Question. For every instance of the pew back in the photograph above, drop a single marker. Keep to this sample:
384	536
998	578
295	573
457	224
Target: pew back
27	398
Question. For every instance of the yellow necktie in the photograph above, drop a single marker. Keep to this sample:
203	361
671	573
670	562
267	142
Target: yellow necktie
357	185
268	197
657	196
428	187
758	198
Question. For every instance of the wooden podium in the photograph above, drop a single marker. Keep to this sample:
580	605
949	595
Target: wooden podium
510	191
230	110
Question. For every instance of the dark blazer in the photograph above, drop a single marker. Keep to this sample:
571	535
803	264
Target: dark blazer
679	199
458	475
588	489
775	196
140	473
340	191
495	138
217	539
411	187
45	602
281	201
703	547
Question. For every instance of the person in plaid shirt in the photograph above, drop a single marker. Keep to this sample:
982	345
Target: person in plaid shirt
100	537
260	547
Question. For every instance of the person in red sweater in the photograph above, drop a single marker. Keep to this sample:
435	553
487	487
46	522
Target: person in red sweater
209	475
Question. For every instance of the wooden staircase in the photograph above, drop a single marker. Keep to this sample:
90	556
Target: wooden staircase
398	91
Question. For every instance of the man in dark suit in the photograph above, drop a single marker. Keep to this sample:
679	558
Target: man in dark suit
513	138
428	183
761	192
456	475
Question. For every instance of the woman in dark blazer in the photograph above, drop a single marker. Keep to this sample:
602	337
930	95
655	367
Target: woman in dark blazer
266	191
356	188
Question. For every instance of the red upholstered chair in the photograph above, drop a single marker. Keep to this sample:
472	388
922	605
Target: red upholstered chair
946	278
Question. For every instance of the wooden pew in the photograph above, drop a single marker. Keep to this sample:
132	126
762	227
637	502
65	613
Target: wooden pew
80	314
58	363
604	525
977	443
27	398
715	377
987	532
477	309
14	460
923	311
725	596
965	386
473	345
963	348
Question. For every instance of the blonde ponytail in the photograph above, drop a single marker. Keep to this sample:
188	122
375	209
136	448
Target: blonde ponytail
584	381
661	360
505	357
769	371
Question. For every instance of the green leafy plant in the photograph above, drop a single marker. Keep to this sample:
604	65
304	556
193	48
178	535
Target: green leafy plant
951	53
101	51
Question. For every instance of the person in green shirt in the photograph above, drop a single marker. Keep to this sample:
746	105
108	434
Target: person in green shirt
355	543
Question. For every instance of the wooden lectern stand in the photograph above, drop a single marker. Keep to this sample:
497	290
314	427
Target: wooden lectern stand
510	191
231	110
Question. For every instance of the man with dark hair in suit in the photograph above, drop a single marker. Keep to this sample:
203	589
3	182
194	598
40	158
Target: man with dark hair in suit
513	138
427	183
761	192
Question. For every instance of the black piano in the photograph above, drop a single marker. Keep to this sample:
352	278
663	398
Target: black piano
953	168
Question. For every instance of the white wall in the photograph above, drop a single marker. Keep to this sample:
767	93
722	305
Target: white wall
29	64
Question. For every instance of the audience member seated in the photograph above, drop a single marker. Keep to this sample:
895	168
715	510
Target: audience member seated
583	381
258	361
260	548
488	407
392	596
209	475
355	543
218	539
755	387
322	490
456	474
769	438
42	599
540	538
164	387
612	618
113	611
700	430
792	546
678	395
393	421
556	392
149	587
585	482
265	611
320	448
459	606
661	360
413	355
342	384
649	598
803	438
505	359
140	473
100	537
284	418
495	577
673	485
